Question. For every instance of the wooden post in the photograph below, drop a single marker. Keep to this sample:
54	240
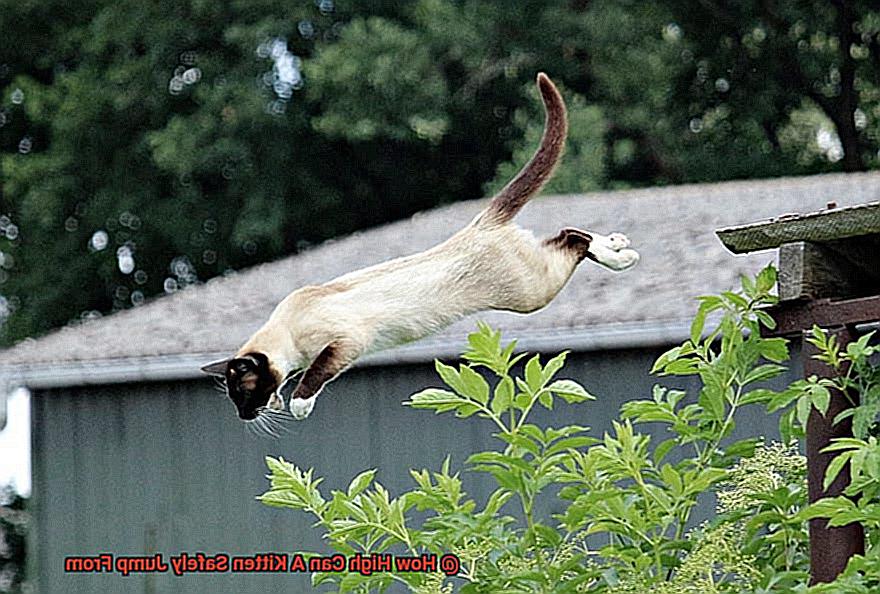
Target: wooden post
828	276
830	548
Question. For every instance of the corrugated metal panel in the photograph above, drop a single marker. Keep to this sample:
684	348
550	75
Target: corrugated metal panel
167	467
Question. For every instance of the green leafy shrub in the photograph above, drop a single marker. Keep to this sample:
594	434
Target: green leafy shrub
627	524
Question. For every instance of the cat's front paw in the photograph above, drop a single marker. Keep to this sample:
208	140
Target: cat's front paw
301	408
275	402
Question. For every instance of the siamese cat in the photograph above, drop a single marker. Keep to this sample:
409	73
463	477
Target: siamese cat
317	332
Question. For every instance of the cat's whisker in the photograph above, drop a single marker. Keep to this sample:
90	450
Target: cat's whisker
275	422
279	428
281	416
251	429
267	425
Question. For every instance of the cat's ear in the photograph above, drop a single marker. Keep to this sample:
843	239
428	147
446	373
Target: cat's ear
217	367
288	385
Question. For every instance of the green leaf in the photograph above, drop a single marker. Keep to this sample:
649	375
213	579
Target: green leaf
666	358
698	323
450	377
820	397
766	279
546	399
834	468
466	410
503	396
553	366
773	349
803	410
475	386
570	391
435	398
534	375
763	373
361	482
712	400
663	448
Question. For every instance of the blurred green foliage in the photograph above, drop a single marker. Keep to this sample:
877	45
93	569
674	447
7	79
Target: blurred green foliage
148	146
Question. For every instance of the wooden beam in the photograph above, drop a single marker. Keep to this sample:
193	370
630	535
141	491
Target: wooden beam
840	269
792	317
826	225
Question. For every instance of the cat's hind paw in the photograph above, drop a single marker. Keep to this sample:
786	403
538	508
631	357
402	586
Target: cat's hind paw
617	241
301	408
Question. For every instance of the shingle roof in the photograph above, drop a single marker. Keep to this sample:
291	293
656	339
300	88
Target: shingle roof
673	228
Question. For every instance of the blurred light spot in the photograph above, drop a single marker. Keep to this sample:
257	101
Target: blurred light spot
137	298
834	75
721	85
306	29
99	240
6	260
11	231
829	142
25	145
192	76
860	119
91	314
277	107
5	309
859	52
759	34
71	224
671	32
125	259
182	268
249	247
188	58
3	118
696	125
175	85
325	6
4	276
209	225
285	76
209	256
170	285
130	220
140	277
121	292
17	96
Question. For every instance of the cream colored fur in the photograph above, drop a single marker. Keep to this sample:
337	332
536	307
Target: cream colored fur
490	264
502	267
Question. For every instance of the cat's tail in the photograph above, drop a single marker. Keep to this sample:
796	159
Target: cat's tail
538	170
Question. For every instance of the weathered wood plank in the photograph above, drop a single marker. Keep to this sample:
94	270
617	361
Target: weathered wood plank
839	269
826	225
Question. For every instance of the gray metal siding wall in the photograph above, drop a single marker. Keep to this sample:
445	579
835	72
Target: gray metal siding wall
138	469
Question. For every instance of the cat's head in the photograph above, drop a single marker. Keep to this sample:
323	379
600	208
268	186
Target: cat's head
251	383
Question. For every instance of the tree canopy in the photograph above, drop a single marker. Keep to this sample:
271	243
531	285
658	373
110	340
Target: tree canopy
145	147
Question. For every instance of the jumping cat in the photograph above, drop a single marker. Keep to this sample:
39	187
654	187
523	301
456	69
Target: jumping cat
490	264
